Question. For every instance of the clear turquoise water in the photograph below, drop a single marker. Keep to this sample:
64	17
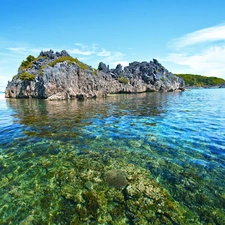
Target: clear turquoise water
177	140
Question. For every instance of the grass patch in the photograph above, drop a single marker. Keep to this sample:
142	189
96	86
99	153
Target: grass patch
27	64
41	70
27	76
70	60
94	72
123	80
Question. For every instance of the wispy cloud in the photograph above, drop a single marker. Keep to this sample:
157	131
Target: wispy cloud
123	63
211	34
100	54
104	52
26	50
82	49
93	49
17	49
201	52
80	52
115	58
209	62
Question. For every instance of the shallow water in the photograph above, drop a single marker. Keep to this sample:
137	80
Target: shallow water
54	156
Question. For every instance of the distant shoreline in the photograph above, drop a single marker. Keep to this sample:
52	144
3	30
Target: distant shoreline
205	87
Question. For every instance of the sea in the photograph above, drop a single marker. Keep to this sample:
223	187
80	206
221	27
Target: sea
147	158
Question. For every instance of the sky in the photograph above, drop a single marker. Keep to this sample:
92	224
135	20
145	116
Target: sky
186	36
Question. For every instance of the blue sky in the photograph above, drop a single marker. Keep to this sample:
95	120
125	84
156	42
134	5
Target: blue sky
185	36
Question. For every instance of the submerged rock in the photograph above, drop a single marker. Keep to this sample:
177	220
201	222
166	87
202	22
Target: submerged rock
116	178
58	76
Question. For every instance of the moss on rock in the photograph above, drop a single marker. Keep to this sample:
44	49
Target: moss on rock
27	76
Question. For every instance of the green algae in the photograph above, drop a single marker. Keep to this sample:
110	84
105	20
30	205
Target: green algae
54	190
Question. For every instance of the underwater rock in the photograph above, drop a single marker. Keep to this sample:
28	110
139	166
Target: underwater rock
116	178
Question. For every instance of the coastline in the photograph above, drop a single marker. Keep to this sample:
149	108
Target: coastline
205	87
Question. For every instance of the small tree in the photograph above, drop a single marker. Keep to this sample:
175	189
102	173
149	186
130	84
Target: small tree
30	58
28	62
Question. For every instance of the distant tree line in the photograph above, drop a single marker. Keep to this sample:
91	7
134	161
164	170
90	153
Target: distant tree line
199	80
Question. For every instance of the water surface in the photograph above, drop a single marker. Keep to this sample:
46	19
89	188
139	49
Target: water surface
54	156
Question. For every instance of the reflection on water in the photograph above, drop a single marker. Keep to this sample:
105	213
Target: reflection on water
66	118
55	156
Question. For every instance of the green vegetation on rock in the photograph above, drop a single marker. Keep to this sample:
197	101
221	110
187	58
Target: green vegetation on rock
70	60
199	80
27	76
123	80
14	77
94	71
26	64
41	70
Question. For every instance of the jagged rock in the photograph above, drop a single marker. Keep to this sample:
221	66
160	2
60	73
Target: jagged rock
102	66
48	76
118	71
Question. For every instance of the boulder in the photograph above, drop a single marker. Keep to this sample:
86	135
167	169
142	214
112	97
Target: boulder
102	67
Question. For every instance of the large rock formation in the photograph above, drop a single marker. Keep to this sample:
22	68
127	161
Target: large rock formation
59	76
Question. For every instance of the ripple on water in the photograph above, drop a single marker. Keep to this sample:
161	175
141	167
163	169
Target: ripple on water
54	157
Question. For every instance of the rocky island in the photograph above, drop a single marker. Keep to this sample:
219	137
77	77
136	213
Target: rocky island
200	81
58	76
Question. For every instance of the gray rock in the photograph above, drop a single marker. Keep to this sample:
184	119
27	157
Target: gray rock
118	71
103	67
222	86
69	80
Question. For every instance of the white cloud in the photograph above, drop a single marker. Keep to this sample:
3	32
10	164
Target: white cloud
80	52
3	83
28	50
17	49
205	52
123	63
115	56
211	34
109	57
82	45
114	59
84	49
209	61
93	49
104	52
